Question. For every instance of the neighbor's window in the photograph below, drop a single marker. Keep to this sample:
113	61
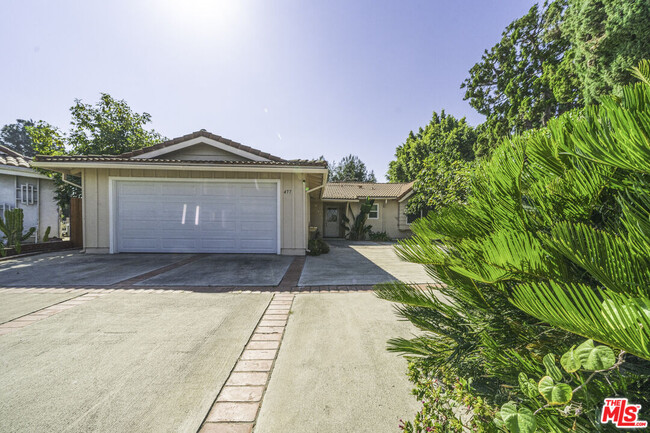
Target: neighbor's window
374	212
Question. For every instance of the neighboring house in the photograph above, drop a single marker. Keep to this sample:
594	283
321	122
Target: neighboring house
345	198
21	187
197	193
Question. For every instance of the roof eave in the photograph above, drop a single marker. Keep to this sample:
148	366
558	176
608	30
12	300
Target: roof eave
67	165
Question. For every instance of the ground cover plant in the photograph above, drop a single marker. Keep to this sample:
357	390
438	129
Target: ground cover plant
548	262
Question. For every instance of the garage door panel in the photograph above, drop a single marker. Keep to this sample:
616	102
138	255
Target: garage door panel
263	226
162	216
140	242
219	189
180	189
138	189
256	245
219	226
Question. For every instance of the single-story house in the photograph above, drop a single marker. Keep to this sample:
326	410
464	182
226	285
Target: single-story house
205	193
196	193
388	213
22	187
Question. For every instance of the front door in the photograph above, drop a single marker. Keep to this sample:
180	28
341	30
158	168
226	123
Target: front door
332	222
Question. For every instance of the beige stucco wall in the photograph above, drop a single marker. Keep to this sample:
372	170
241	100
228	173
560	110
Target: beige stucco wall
388	219
293	207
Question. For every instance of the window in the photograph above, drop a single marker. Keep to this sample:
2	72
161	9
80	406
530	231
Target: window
374	212
27	194
411	217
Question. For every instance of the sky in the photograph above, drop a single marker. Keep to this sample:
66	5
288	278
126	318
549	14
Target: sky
297	79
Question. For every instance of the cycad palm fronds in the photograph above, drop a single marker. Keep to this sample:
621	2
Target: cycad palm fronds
620	321
556	230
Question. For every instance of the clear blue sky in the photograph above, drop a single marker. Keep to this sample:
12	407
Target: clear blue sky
298	79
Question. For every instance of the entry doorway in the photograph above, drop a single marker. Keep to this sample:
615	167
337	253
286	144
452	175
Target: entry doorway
333	227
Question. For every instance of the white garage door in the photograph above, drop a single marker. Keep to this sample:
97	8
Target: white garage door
196	217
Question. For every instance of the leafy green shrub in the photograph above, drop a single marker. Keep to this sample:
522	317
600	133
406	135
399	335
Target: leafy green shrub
357	229
448	404
317	247
378	236
551	248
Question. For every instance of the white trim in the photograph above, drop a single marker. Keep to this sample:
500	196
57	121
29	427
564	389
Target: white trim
197	140
377	217
408	194
21	171
192	167
112	196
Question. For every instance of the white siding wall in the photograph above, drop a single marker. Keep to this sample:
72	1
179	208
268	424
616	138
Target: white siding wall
96	203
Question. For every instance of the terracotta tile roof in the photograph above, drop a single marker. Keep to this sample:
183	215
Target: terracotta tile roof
126	160
203	133
12	158
360	190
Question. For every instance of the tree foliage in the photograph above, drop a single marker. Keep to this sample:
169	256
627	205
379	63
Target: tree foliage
509	85
109	127
351	169
437	158
16	137
557	57
607	38
551	248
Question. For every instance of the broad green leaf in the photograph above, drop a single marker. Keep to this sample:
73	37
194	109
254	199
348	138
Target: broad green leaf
518	421
551	368
570	361
527	386
595	357
555	394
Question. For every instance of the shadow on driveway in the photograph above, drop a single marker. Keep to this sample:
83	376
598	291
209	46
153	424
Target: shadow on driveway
360	263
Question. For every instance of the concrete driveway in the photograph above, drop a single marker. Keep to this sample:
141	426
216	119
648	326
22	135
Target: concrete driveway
79	269
123	360
360	263
347	264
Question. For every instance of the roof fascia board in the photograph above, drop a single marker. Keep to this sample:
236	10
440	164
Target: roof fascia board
407	195
197	140
165	166
21	171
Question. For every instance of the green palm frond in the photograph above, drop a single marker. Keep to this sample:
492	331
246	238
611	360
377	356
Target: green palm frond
606	257
605	316
642	72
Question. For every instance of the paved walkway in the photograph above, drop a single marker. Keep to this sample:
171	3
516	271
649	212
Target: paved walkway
333	373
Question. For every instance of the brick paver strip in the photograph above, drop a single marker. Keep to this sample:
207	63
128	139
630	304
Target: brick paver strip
241	393
251	355
224	427
261	365
262	345
44	313
235	408
233	412
270	330
247	379
266	337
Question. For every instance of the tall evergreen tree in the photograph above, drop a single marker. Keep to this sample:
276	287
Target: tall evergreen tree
16	137
351	169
